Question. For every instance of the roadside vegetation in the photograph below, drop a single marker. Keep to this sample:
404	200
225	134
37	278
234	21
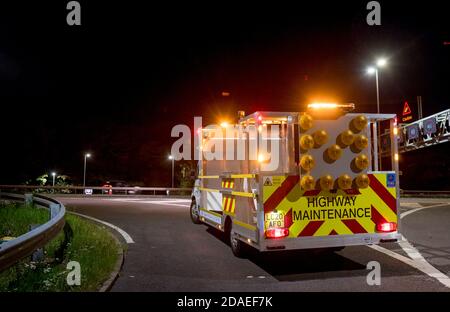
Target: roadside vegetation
82	241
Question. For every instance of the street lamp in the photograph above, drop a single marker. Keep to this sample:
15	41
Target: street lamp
53	175
374	70
173	165
86	156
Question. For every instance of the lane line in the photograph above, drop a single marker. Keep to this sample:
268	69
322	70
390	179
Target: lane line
410	205
124	234
417	261
179	205
404	214
143	200
158	203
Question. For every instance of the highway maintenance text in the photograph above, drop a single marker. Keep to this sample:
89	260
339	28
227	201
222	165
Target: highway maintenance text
332	208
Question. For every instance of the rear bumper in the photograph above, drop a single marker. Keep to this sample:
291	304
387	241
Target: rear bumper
327	241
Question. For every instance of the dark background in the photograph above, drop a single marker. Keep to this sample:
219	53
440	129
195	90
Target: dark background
117	84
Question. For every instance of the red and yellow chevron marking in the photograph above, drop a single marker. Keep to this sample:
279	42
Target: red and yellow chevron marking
228	184
337	212
229	204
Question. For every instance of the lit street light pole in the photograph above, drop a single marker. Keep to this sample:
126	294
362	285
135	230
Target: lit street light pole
173	165
86	156
374	70
53	175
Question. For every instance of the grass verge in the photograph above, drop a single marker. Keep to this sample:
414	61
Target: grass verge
91	245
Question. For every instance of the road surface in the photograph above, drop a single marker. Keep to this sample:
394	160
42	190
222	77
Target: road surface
170	253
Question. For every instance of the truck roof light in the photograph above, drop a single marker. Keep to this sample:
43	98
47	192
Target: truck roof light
359	122
307	162
361	162
320	137
334	152
345	107
306	142
345	182
361	142
307	182
347	138
306	122
362	181
326	182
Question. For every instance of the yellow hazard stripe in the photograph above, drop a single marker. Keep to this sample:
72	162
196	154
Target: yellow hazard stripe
229	213
209	177
242	194
208	189
245	225
242	176
227	184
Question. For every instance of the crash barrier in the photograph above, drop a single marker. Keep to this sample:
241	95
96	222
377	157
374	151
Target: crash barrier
12	251
97	190
424	193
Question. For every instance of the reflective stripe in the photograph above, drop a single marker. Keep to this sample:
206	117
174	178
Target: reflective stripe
228	192
228	184
209	177
242	176
245	225
243	194
208	190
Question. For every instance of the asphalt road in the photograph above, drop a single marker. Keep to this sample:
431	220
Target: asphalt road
171	253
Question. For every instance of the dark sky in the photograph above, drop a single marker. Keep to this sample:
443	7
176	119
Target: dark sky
118	83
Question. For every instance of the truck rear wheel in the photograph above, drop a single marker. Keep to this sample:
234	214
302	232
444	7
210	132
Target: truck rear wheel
237	246
195	213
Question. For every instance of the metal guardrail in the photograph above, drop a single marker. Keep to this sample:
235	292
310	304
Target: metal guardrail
126	190
425	193
14	250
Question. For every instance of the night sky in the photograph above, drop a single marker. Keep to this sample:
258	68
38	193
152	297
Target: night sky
117	84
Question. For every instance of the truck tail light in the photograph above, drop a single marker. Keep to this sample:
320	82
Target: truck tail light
387	227
277	232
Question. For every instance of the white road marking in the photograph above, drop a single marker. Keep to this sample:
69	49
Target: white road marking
124	234
404	214
417	261
179	205
410	205
419	264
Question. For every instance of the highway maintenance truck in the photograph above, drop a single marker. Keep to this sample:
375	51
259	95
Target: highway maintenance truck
299	180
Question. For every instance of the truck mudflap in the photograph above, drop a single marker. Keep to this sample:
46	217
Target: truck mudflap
369	214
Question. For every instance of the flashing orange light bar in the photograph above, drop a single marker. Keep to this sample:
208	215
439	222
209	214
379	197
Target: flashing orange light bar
346	107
